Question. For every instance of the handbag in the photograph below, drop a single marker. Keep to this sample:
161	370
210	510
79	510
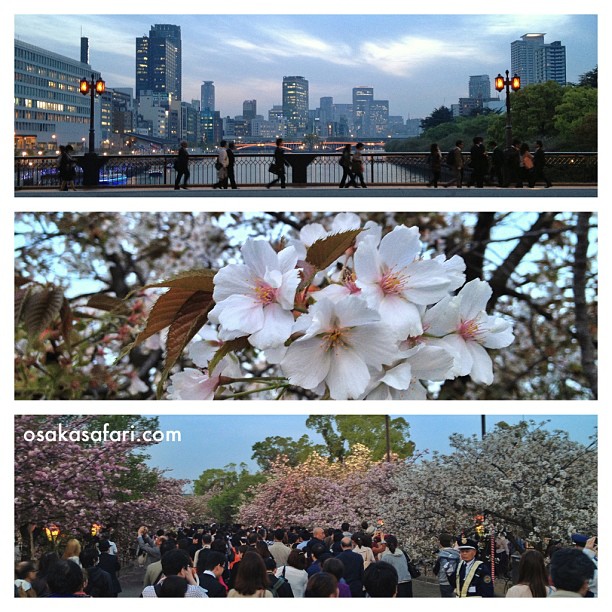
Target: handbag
218	165
273	169
414	571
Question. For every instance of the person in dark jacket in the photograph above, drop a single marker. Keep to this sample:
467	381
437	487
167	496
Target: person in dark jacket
472	578
345	163
478	162
278	167
181	165
539	162
99	583
353	568
231	156
214	566
109	563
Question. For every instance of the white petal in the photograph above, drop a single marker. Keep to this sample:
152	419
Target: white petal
348	375
353	310
287	259
443	318
376	343
482	368
232	279
202	352
345	221
286	293
259	256
500	334
239	312
398	377
367	264
312	232
432	363
402	316
456	345
276	328
400	247
306	363
428	283
473	298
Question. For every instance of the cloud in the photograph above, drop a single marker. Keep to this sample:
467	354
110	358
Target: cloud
411	53
287	43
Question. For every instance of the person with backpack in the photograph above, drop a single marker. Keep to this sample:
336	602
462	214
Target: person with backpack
278	585
396	557
446	564
454	159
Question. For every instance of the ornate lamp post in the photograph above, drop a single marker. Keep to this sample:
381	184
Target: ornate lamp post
92	88
91	164
502	83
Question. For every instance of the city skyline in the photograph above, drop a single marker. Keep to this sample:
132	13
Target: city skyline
417	62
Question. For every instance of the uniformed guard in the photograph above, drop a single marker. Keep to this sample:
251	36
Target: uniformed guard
473	577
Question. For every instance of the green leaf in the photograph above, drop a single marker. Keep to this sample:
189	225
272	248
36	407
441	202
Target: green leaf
41	308
325	251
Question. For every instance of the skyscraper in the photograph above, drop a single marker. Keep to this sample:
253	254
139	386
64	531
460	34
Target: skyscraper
362	96
159	62
295	105
537	62
249	109
208	96
480	87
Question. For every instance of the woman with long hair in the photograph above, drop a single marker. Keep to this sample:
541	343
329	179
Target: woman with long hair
361	549
532	578
435	164
72	551
396	557
294	572
252	579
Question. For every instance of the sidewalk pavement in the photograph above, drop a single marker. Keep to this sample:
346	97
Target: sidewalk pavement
199	191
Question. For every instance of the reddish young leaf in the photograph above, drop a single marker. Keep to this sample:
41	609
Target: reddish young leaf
325	251
40	308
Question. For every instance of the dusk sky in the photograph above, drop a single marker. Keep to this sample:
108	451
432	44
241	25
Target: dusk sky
417	62
213	441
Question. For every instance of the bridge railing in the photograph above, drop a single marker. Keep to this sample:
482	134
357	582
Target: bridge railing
306	169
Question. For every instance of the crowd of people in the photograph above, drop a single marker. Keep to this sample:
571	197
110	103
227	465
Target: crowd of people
232	561
515	166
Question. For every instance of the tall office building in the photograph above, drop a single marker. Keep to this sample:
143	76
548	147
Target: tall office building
362	96
479	87
550	63
207	95
295	105
249	109
159	62
537	62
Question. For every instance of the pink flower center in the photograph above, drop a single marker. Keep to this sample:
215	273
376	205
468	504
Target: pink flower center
469	330
265	294
392	283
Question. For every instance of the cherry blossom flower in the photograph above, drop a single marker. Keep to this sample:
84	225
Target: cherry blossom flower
395	282
402	380
340	342
464	328
256	298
